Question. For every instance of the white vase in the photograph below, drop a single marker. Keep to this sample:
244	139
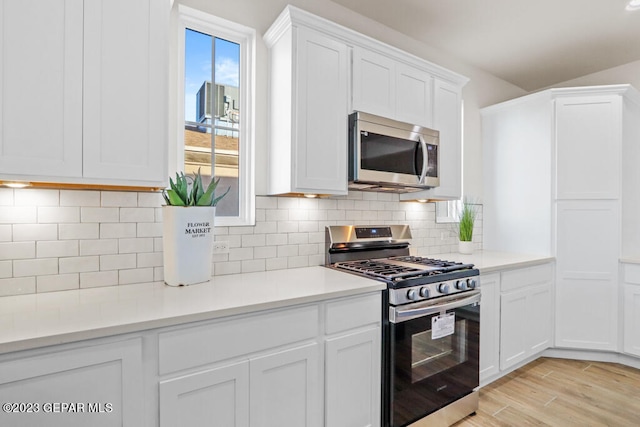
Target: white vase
187	240
465	247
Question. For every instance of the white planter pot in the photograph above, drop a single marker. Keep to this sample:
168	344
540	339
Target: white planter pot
187	237
465	247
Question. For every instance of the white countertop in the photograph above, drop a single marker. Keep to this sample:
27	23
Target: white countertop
30	321
491	261
38	320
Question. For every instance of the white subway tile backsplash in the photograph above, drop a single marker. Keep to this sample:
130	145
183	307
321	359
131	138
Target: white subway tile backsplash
149	229
149	259
250	240
6	269
6	196
78	231
6	232
251	266
275	263
99	247
36	197
137	275
117	230
18	215
137	215
119	199
58	282
98	278
57	248
97	214
57	215
135	245
117	262
35	267
17	286
64	239
79	264
150	200
79	198
17	250
26	232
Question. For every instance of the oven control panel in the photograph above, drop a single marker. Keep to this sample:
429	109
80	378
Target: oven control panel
432	290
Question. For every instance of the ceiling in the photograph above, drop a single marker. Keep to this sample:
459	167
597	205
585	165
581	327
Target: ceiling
532	44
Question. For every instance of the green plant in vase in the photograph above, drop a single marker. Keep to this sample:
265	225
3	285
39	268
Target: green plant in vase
467	219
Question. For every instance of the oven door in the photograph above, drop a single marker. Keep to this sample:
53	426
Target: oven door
434	355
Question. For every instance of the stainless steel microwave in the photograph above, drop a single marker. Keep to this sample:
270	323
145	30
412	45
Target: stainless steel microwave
392	156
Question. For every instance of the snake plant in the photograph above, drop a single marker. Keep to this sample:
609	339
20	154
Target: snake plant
184	193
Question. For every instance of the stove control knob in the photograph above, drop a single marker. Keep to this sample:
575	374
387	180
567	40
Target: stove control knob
443	288
461	285
424	292
411	294
471	283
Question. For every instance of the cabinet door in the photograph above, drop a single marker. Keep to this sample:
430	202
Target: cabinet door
540	318
588	144
632	319
285	389
374	83
413	95
489	326
320	149
103	381
40	89
214	397
125	90
513	326
352	380
587	274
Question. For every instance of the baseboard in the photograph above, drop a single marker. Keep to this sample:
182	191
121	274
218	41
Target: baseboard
596	356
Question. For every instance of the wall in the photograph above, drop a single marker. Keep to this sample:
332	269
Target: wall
623	74
52	240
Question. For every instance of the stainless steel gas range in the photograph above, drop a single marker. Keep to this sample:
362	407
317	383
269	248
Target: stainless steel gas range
431	324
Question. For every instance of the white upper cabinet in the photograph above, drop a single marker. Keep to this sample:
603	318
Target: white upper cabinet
447	119
41	88
319	73
374	83
83	91
309	72
389	88
588	142
125	88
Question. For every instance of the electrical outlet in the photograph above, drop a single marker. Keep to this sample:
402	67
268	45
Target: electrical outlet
221	247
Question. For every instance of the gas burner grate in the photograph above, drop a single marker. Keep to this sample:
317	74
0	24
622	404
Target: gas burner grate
379	269
440	265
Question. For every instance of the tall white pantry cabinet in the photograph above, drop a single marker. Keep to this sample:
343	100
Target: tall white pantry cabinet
83	91
561	174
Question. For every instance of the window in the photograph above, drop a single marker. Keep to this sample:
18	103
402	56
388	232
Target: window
215	132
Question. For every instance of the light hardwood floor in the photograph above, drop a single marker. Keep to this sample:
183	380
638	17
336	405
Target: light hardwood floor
563	393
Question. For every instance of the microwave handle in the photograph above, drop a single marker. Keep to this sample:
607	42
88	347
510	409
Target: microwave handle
425	159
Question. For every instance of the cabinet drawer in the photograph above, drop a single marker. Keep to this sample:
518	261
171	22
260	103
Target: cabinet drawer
209	343
516	279
351	313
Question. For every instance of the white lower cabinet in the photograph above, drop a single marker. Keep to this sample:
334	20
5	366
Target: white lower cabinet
489	326
517	318
631	309
307	366
352	379
526	313
219	395
93	385
285	389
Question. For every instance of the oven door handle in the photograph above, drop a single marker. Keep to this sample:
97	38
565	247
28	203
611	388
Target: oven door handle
398	315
